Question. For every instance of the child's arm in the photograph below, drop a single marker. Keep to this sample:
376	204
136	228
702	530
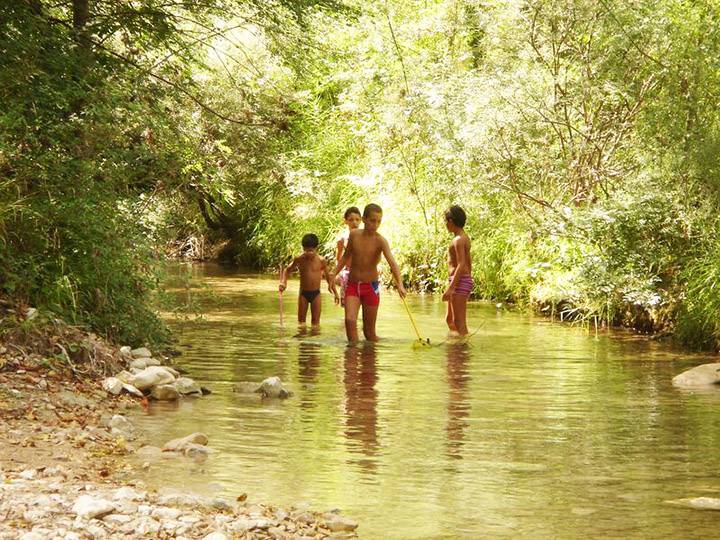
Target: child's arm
394	268
330	281
342	261
461	268
340	249
286	273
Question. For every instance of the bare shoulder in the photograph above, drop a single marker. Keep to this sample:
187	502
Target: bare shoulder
382	242
461	240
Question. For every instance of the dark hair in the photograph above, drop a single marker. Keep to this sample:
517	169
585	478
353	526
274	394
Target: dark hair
456	215
371	208
310	240
352	210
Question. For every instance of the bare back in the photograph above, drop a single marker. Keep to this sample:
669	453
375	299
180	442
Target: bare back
459	255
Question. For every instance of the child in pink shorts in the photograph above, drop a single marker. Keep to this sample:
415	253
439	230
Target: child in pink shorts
460	271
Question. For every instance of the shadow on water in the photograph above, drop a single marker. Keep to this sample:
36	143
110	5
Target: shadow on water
529	430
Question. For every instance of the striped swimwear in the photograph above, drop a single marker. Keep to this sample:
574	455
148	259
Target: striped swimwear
464	285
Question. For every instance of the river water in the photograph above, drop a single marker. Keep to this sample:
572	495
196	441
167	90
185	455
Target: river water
531	429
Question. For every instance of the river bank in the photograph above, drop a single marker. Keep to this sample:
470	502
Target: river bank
66	469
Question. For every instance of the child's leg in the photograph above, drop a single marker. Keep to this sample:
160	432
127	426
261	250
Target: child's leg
459	312
302	309
369	320
315	309
352	306
450	317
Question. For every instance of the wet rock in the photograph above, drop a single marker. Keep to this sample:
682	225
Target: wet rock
165	392
151	377
187	386
178	445
704	375
196	451
141	352
273	387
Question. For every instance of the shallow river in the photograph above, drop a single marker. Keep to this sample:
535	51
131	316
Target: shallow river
532	429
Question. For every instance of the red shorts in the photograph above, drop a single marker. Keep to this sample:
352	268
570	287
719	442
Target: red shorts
368	293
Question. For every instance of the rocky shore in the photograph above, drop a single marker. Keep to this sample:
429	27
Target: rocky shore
65	472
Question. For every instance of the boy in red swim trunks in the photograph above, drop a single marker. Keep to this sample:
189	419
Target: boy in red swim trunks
459	270
364	248
313	268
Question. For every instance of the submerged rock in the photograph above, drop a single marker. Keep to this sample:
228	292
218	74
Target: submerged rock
273	387
247	387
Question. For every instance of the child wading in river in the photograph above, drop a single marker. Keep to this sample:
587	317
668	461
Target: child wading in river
352	219
313	268
459	270
364	248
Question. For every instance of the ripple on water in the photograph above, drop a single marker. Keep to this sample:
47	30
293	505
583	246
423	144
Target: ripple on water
530	430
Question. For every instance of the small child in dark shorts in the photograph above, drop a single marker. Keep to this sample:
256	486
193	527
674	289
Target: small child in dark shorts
313	268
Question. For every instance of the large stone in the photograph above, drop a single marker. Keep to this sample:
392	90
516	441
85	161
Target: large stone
165	392
178	445
704	375
141	352
87	507
150	377
273	387
186	386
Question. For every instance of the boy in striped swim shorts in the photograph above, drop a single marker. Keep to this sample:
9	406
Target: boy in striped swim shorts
460	271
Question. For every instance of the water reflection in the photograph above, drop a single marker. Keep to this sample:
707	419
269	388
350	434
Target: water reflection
531	431
360	379
458	407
